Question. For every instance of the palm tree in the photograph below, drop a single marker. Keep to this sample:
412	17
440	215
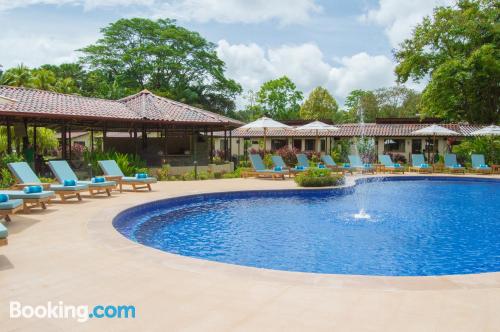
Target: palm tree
43	79
17	76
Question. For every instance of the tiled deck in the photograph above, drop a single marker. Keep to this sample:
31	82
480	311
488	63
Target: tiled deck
71	253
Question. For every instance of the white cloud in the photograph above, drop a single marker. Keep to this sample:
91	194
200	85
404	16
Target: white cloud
304	64
224	11
243	11
400	17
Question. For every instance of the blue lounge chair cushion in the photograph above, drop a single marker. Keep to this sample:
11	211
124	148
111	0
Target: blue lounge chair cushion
328	160
97	184
424	166
98	179
11	204
134	179
278	161
397	165
33	189
110	168
141	176
278	168
4	198
62	171
302	160
457	166
60	187
367	165
23	172
321	166
3	232
69	183
299	167
21	194
346	165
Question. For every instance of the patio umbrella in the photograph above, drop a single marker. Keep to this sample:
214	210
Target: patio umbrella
264	123
434	130
487	131
317	126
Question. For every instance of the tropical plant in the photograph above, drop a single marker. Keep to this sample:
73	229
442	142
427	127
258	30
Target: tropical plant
128	163
279	99
315	177
489	146
288	155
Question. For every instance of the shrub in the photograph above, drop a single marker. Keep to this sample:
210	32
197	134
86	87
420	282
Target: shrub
268	160
7	179
288	155
9	158
319	178
162	173
489	146
397	158
129	163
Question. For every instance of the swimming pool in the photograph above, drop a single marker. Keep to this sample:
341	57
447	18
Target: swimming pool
418	227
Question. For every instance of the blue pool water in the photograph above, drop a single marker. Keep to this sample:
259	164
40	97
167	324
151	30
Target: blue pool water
417	227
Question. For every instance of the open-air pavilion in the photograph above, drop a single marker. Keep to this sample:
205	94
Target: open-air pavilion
158	129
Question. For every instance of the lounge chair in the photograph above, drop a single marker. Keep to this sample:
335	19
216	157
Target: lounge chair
419	165
63	172
358	165
26	177
31	200
479	165
389	166
451	165
10	207
3	235
279	162
112	172
330	163
260	170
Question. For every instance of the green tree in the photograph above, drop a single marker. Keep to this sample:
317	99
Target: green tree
397	102
165	58
457	49
279	99
319	105
43	79
361	104
17	76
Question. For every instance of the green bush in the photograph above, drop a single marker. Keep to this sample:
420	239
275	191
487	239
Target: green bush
318	178
233	175
128	163
488	146
9	158
7	180
163	173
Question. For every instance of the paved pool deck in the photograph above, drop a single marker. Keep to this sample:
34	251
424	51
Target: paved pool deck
71	253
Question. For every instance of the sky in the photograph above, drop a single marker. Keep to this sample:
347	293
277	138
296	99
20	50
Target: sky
339	44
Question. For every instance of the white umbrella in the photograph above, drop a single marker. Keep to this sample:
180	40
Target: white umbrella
317	126
487	131
264	123
435	130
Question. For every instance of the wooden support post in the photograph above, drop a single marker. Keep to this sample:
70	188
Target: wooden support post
165	144
9	138
230	145
92	140
225	144
136	145
104	132
212	147
144	138
70	144
64	147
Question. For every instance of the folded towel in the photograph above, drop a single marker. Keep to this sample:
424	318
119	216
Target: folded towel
141	176
483	166
457	166
424	165
69	183
299	167
33	189
321	166
278	168
397	165
98	179
346	165
367	165
4	198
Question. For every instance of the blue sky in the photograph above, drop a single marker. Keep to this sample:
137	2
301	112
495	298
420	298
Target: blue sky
342	45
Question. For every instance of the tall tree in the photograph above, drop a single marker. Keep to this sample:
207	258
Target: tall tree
397	102
43	79
279	99
320	105
17	76
457	48
361	104
165	58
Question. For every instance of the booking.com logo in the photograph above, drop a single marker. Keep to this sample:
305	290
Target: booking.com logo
81	313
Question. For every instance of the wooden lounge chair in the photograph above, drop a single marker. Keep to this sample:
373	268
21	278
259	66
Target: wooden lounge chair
12	206
389	166
479	165
31	200
279	162
112	172
419	165
331	164
451	165
357	164
3	235
259	170
26	177
63	172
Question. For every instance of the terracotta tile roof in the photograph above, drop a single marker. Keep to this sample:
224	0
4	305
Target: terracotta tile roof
354	129
141	106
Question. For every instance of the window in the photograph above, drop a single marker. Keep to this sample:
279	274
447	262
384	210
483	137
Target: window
416	146
255	142
310	144
297	144
394	145
278	143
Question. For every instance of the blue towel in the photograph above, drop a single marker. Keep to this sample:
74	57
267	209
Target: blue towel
457	166
98	179
141	176
397	165
278	168
321	166
424	165
367	165
299	167
69	183
4	198
483	166
33	189
347	165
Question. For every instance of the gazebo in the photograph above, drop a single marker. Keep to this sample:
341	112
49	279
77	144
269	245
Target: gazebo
141	113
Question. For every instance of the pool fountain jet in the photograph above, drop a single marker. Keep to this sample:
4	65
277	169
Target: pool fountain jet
362	215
